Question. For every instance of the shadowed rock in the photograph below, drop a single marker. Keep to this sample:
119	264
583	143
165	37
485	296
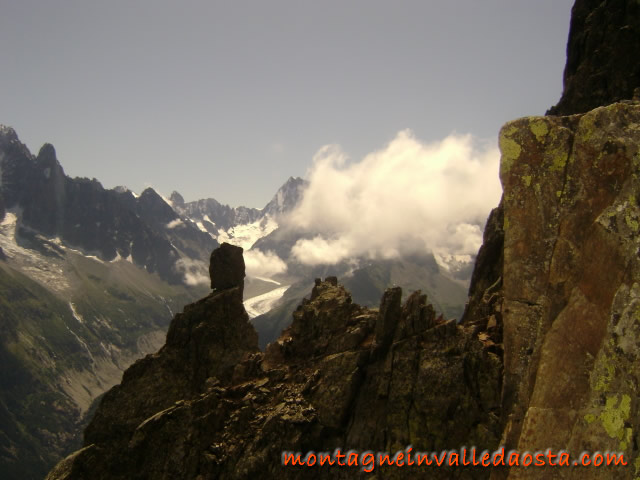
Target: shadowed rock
226	267
602	55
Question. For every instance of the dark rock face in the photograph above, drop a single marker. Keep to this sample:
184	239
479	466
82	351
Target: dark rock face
209	405
486	279
226	267
602	55
151	206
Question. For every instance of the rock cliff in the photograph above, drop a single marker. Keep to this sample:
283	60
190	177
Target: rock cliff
570	283
602	55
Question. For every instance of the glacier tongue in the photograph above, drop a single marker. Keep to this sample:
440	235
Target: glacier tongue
247	234
263	303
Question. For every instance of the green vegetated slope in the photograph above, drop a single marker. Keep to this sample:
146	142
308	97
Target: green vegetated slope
35	417
367	285
54	362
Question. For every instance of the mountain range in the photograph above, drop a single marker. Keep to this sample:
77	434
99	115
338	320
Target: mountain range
90	278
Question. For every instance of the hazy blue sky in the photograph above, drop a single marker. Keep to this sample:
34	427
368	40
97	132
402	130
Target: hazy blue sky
227	99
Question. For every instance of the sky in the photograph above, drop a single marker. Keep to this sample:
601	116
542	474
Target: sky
227	99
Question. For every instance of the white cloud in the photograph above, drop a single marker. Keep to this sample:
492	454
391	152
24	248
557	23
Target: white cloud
410	196
259	264
195	272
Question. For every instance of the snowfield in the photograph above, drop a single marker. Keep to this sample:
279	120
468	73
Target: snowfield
263	303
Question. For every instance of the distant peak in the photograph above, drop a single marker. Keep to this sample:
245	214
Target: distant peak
296	180
151	195
287	197
47	154
8	133
47	159
177	199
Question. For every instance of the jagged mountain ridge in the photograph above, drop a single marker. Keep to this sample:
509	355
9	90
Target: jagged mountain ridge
228	223
109	224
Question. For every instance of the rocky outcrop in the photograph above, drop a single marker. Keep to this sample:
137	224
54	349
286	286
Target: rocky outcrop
226	268
209	405
570	283
602	55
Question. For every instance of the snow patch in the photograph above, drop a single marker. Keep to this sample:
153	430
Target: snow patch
10	219
265	279
92	257
84	345
261	304
249	233
175	223
46	270
75	313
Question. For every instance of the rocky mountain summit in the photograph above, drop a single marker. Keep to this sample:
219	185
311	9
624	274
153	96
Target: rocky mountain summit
240	225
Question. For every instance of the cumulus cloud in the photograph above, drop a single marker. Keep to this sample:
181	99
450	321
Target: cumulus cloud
409	197
195	272
263	264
